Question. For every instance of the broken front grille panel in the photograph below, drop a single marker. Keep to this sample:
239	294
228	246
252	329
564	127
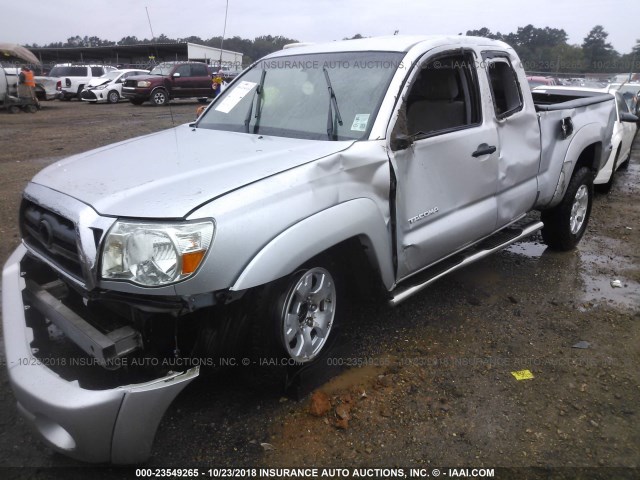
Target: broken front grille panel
52	236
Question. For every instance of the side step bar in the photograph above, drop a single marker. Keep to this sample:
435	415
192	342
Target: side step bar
105	347
496	242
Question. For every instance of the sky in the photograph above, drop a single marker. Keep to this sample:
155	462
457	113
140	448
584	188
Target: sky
310	21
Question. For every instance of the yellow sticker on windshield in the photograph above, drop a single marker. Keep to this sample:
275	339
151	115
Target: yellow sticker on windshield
522	375
360	122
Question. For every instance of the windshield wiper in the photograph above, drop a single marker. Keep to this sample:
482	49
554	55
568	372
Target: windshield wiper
333	103
258	94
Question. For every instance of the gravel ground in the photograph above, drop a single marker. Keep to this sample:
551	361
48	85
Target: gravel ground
431	382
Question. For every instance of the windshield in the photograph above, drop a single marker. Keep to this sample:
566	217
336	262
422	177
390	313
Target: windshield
162	69
68	72
112	75
295	99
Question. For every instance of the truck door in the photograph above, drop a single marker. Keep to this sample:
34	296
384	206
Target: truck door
201	80
516	122
182	83
445	161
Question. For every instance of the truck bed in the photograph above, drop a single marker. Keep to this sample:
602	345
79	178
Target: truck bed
566	119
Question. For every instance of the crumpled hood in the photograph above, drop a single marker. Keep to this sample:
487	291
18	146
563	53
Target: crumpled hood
169	173
94	82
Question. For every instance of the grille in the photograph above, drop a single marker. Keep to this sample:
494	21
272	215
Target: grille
52	236
89	94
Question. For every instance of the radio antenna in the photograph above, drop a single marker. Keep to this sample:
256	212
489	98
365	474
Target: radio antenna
224	32
173	123
150	27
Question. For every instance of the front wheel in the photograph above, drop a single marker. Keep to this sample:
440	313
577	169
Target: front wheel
113	96
159	97
300	313
565	224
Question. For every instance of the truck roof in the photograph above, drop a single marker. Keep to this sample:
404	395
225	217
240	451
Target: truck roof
390	43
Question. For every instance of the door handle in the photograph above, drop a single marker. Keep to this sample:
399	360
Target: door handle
483	149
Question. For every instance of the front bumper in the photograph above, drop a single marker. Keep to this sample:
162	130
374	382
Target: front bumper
92	96
114	425
136	93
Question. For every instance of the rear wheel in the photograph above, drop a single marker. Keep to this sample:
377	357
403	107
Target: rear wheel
113	96
159	97
565	224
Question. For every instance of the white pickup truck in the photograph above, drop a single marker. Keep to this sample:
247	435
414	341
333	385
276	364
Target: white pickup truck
397	159
71	78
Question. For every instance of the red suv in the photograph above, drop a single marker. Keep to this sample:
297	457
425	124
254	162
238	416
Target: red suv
169	80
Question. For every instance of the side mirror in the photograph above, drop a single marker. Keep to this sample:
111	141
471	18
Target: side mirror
628	117
176	75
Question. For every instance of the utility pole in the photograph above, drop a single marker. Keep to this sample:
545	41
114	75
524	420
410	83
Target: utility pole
224	32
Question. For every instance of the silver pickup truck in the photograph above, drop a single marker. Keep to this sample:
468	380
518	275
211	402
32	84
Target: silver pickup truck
408	157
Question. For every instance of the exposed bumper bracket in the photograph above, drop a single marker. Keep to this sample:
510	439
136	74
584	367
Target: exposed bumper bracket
104	347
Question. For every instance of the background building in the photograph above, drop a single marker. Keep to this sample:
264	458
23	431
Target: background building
138	55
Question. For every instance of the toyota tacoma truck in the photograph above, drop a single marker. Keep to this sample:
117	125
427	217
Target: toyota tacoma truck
409	157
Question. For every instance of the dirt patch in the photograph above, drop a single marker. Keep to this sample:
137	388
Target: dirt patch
431	381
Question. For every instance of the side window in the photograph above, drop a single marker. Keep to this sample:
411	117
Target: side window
505	89
444	96
183	70
199	71
97	71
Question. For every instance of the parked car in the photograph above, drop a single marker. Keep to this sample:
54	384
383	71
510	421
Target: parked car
226	72
624	130
536	81
72	78
108	88
631	94
170	80
393	160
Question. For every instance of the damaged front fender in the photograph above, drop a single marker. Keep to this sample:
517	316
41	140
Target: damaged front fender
114	425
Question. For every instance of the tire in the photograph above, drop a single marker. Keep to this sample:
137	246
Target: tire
136	101
113	96
565	224
270	324
300	313
13	109
159	97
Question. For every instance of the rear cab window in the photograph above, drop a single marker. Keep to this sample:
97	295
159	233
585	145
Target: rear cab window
504	85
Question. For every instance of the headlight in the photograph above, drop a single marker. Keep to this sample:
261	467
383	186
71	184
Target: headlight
144	83
153	254
100	87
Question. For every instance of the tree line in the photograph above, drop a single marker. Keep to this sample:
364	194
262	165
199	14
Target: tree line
543	50
546	50
251	49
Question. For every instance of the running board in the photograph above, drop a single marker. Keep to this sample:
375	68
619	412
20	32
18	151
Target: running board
496	242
